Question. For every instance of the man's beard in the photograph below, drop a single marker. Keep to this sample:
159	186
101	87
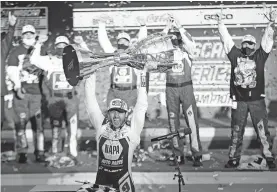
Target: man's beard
247	51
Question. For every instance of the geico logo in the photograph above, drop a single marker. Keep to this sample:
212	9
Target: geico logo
214	16
209	50
211	74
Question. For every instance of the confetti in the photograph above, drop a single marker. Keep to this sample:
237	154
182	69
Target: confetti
15	169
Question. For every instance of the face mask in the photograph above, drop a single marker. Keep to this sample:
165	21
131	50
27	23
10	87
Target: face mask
177	41
29	42
247	51
122	46
59	52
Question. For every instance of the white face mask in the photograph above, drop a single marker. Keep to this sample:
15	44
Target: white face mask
29	42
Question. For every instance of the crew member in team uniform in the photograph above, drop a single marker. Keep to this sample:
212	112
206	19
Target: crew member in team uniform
27	99
116	137
247	89
179	90
61	98
123	78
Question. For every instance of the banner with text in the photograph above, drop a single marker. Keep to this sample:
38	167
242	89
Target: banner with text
211	67
155	17
36	16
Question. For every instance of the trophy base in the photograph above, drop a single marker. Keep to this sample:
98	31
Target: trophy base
71	65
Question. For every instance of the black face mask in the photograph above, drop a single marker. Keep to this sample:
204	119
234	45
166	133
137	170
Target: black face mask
59	52
247	51
178	41
122	46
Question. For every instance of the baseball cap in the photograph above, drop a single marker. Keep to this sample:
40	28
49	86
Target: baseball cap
61	39
248	38
174	31
118	104
123	35
28	28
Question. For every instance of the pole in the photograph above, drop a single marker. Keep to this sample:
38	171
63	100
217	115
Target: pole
179	173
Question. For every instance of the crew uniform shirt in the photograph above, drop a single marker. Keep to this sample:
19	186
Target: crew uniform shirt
19	58
247	72
115	147
54	67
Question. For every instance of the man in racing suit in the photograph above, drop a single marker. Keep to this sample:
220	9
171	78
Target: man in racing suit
116	137
179	90
247	90
62	97
27	99
123	78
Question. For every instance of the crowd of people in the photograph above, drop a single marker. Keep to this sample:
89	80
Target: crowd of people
38	79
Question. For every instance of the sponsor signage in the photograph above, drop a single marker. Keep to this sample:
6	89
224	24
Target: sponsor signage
211	67
155	17
36	16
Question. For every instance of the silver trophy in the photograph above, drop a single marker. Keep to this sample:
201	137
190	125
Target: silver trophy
155	53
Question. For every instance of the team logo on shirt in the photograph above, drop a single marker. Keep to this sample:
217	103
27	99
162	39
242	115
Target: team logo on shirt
245	73
112	149
60	82
178	59
123	75
24	75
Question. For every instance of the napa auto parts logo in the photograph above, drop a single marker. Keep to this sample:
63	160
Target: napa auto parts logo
36	16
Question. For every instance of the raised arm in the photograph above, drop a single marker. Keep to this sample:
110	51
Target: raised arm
6	42
103	39
267	40
225	37
95	114
138	118
189	43
13	69
142	30
42	62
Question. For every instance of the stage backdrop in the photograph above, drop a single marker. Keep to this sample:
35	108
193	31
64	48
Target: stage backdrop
211	67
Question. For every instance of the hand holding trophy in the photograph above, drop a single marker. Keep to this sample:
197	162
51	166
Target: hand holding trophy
153	52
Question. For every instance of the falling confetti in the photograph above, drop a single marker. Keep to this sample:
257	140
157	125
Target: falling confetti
15	169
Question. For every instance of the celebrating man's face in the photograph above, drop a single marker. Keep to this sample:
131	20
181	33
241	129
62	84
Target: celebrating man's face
117	117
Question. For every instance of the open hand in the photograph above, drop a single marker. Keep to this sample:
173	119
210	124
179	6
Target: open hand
42	38
78	39
273	14
176	24
219	17
141	21
12	19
